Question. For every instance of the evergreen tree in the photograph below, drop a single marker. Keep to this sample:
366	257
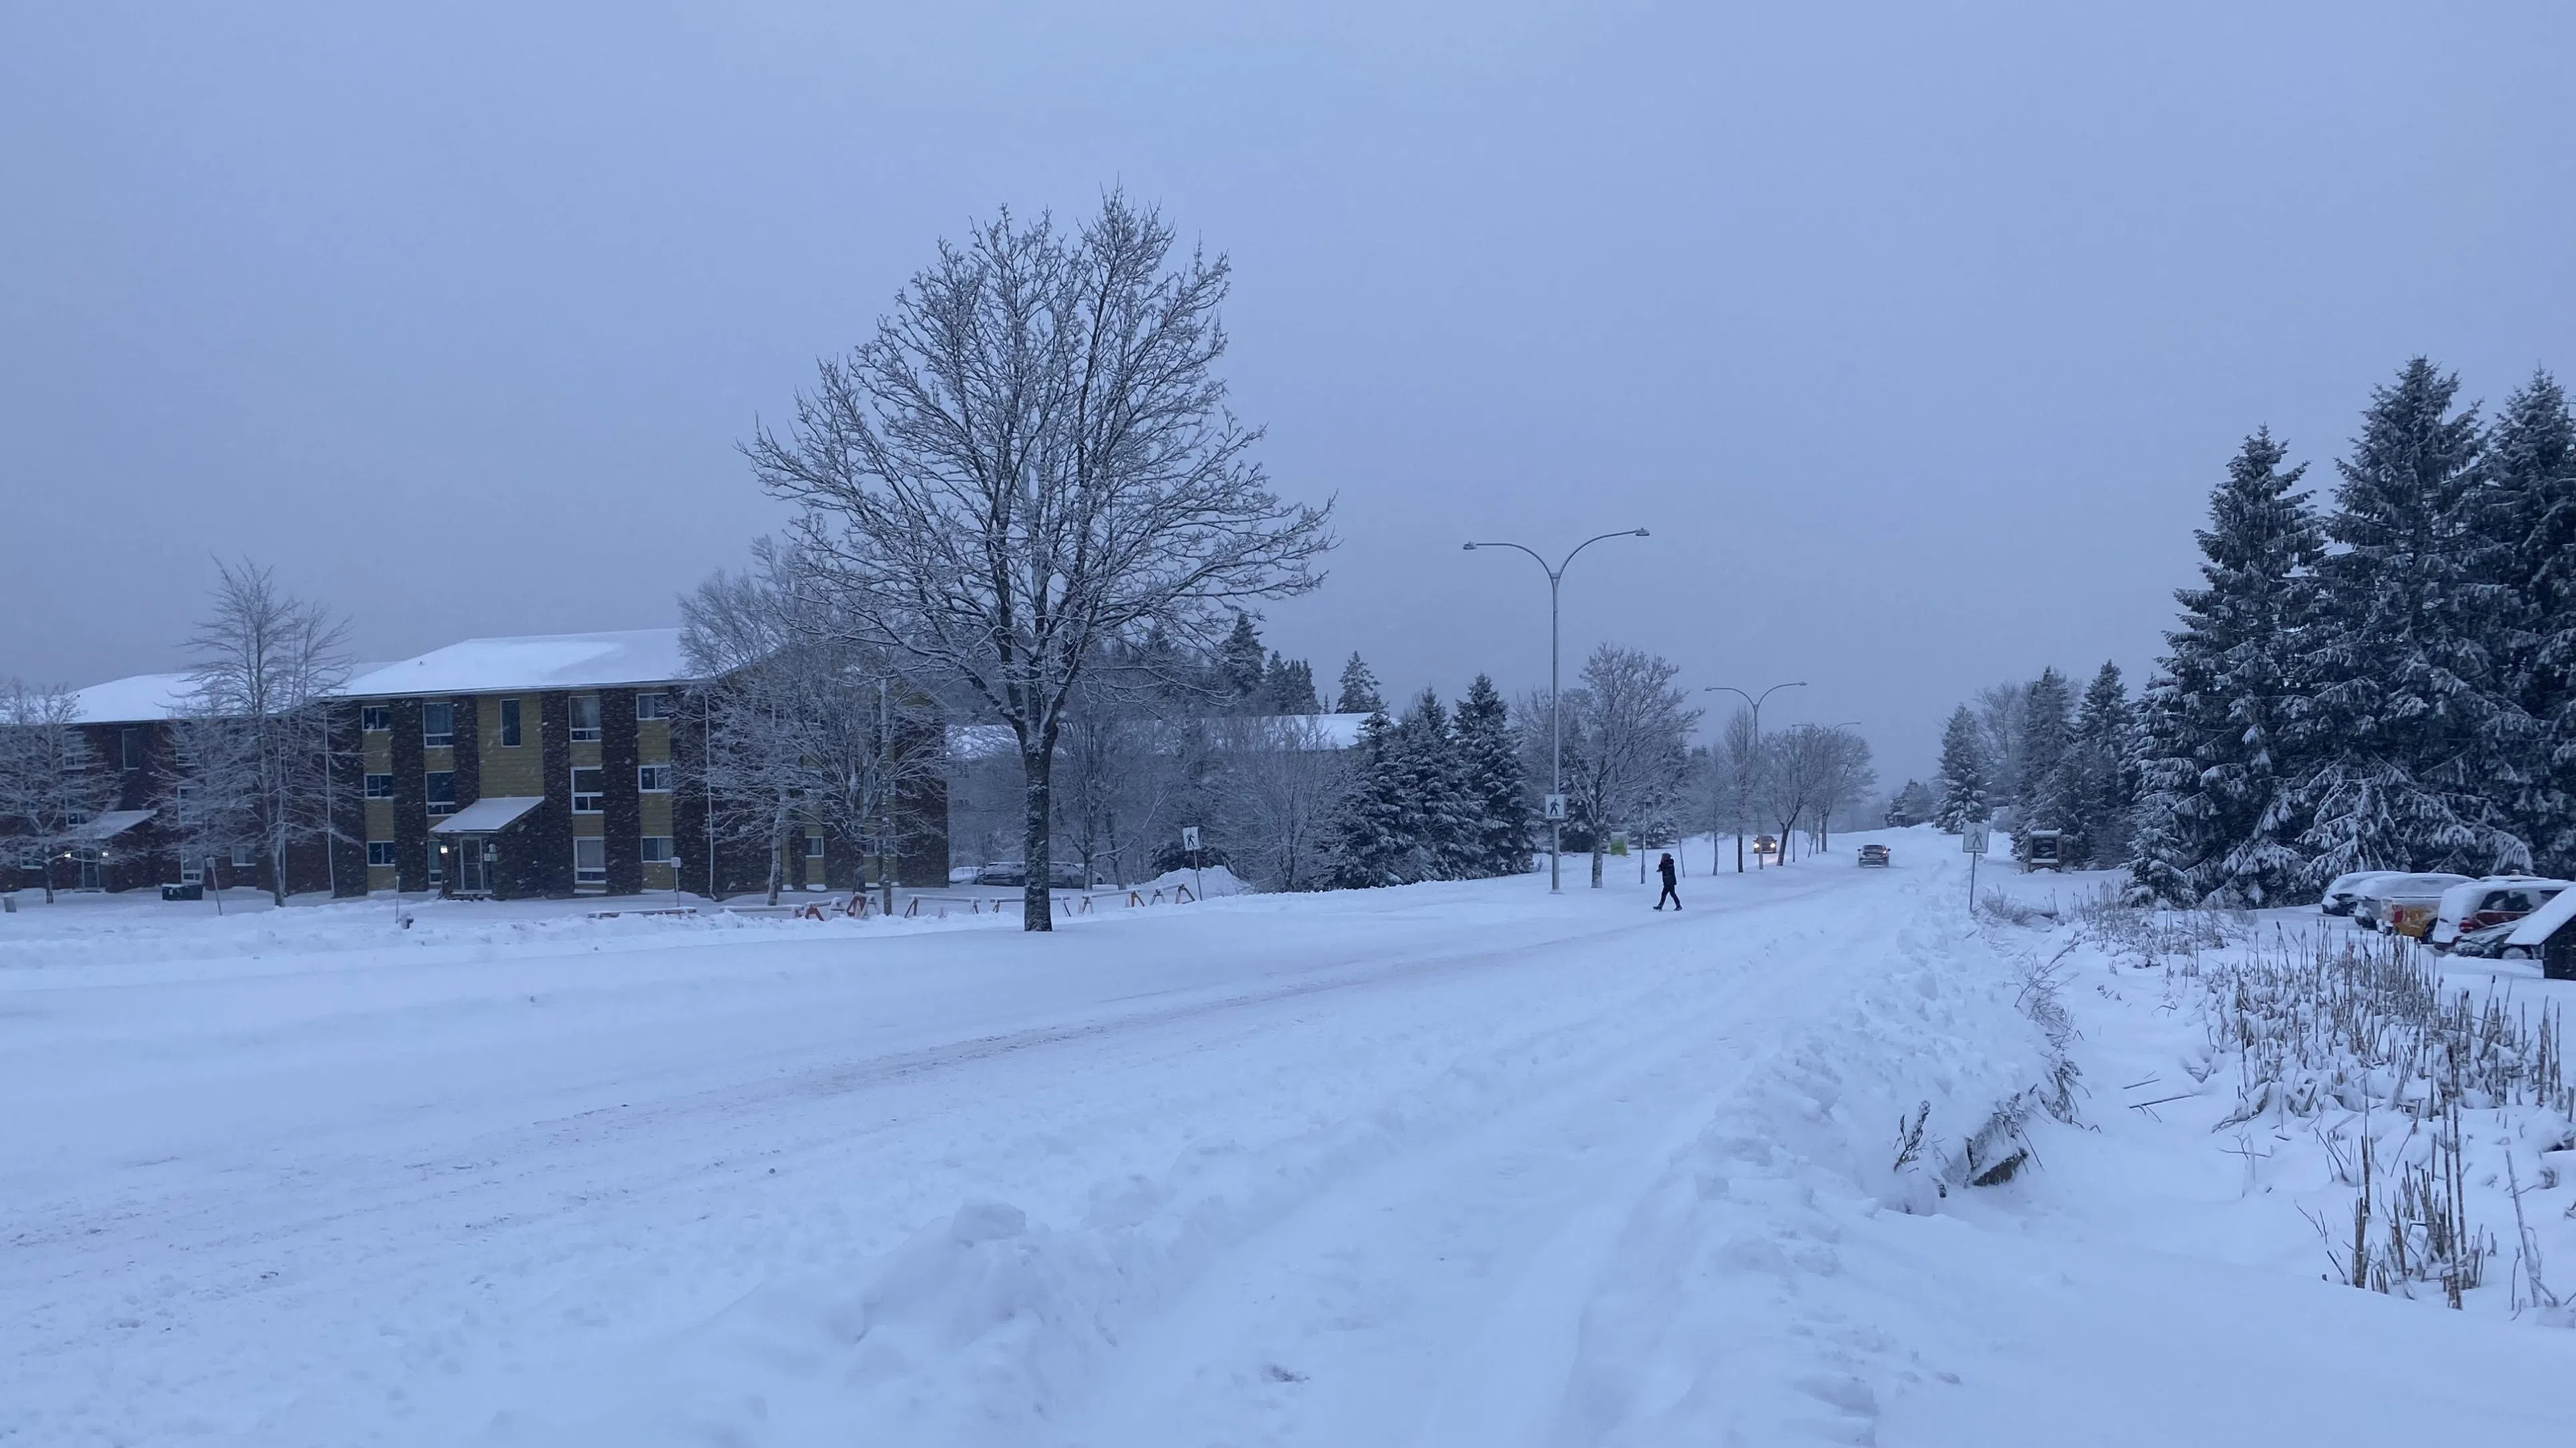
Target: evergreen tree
1240	665
1490	777
2414	735
1912	805
1371	837
1439	818
1288	687
2045	793
2217	817
2102	769
2531	517
1962	780
1359	690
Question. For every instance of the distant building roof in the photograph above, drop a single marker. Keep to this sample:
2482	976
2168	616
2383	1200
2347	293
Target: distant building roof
1316	731
135	700
544	661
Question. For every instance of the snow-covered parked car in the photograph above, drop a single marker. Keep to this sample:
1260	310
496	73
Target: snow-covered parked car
1060	876
2346	891
2547	934
2403	904
2493	943
2484	904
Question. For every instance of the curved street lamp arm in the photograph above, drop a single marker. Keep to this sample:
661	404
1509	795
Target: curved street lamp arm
1588	542
1532	552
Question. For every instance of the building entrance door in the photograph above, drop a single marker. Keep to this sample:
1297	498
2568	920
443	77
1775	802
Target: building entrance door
475	857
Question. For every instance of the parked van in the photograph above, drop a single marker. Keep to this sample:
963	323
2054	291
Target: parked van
2346	891
2403	904
2479	904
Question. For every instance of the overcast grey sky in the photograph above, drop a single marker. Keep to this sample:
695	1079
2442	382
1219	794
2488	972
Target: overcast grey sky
1916	332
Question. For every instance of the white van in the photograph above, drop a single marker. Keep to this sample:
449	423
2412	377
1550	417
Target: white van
2478	904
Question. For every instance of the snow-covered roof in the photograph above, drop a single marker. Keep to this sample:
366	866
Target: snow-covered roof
1329	731
135	700
111	824
2540	924
483	816
537	662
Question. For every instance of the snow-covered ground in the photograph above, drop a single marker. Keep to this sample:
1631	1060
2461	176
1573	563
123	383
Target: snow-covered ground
1453	1164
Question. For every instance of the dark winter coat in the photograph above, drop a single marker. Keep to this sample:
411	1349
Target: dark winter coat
1665	867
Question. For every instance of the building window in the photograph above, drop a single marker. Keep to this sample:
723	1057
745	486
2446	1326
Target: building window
132	743
657	849
510	723
437	862
437	725
585	718
245	856
813	847
589	860
653	778
380	786
376	718
587	787
438	786
653	706
192	871
381	852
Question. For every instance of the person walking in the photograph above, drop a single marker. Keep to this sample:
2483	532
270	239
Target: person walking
1664	867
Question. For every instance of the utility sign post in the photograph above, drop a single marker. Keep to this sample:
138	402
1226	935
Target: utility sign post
1190	842
1972	843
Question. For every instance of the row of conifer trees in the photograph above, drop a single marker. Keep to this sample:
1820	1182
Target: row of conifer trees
2382	680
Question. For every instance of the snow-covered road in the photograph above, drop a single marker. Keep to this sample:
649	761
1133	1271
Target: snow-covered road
1324	1169
1456	1164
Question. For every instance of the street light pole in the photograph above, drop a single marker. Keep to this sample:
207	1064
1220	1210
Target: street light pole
1756	702
1555	710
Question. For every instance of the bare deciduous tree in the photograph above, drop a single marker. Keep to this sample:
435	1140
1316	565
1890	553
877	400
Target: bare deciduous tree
1811	771
1278	781
806	727
1030	461
1627	752
50	779
254	746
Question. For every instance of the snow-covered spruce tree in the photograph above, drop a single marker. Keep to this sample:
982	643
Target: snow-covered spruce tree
1359	691
51	781
1962	780
1441	817
2531	513
1370	837
1491	779
1241	668
2415	744
2044	796
2217	816
2102	768
1030	459
1288	686
1912	805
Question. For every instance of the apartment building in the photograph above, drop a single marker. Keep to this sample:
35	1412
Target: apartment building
501	767
523	766
550	766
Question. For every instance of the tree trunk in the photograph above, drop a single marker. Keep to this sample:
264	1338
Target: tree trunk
777	862
1596	863
1037	904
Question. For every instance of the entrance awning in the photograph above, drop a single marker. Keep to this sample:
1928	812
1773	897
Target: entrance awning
109	825
487	816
